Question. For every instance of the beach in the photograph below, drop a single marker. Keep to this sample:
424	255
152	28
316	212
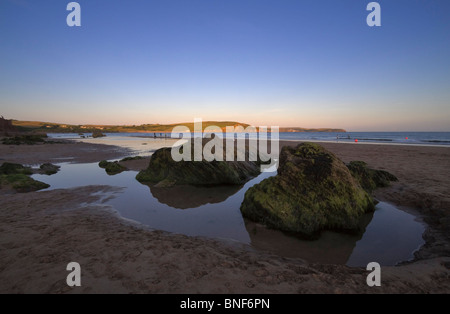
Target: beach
41	232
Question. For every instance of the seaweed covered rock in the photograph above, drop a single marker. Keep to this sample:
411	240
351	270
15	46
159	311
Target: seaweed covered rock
370	179
97	133
164	171
49	169
28	139
15	176
313	191
132	158
112	167
22	183
12	168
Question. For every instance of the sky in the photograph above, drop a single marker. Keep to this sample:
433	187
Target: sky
303	63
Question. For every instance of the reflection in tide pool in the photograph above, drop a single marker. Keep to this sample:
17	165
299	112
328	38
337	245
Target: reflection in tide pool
390	236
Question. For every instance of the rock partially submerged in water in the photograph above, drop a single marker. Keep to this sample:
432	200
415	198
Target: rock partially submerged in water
49	169
313	191
27	139
370	179
112	167
16	176
165	172
12	168
132	158
97	133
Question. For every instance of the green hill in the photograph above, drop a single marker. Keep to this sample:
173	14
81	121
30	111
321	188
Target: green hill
295	129
49	127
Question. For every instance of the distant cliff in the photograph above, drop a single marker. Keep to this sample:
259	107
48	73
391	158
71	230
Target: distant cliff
294	129
6	127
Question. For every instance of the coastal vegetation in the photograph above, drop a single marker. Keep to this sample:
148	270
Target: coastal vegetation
49	127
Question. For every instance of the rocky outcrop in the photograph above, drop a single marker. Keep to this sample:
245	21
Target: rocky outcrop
49	169
27	139
6	127
112	167
16	177
97	133
164	171
313	191
370	179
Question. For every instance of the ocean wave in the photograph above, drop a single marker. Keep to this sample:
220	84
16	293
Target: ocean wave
435	141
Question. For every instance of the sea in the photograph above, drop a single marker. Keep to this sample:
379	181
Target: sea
412	138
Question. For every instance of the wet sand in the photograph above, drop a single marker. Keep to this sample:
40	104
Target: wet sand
61	151
41	232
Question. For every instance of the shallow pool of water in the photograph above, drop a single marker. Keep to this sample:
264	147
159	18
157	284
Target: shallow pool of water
143	146
390	235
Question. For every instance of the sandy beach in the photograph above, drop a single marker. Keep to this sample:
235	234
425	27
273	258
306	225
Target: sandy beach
41	232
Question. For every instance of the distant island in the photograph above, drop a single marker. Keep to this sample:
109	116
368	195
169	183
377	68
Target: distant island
295	129
50	127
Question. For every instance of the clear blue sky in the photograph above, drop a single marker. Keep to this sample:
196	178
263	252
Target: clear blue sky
307	63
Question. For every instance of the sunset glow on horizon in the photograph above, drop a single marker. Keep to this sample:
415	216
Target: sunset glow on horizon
311	64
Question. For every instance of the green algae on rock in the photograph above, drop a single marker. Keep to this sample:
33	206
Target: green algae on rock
49	169
165	172
12	168
22	183
132	158
97	133
27	139
313	191
15	176
370	179
112	167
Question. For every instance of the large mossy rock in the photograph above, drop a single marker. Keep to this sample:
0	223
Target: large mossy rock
165	172
313	191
